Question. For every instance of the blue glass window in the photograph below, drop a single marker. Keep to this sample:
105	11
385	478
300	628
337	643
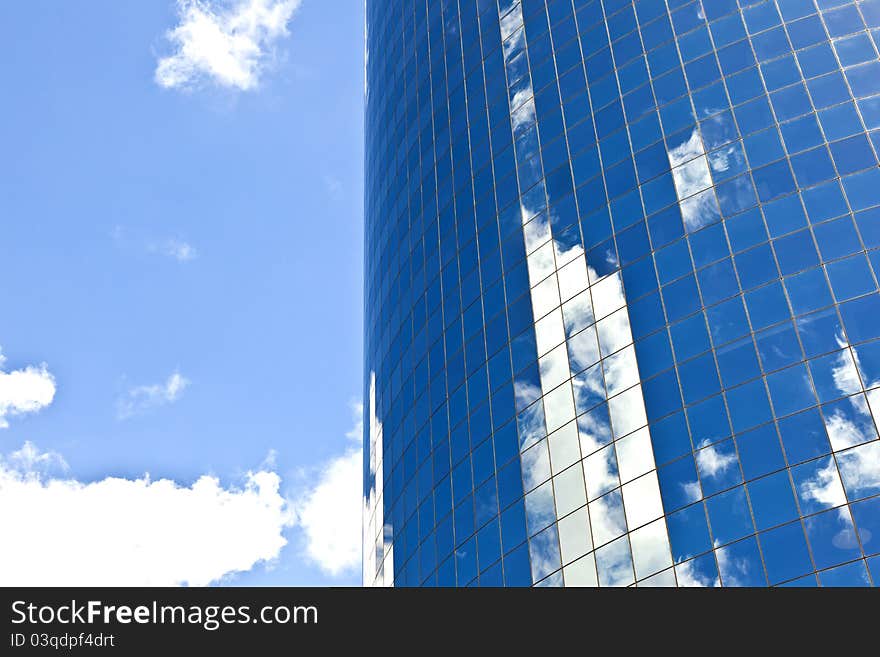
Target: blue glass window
699	177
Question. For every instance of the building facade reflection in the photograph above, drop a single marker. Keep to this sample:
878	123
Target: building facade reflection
622	309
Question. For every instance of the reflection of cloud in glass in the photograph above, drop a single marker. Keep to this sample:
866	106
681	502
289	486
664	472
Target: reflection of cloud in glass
530	422
734	571
577	313
700	210
712	462
541	263
627	411
378	561
568	488
848	426
666	579
600	472
554	581
607	518
574	535
540	510
642	500
559	407
689	576
844	373
621	370
518	80
569	344
594	429
545	297
845	538
614	332
614	564
635	455
608	296
524	115
537	233
526	147
692	490
549	331
726	158
691	176
650	549
554	368
686	151
843	431
583	350
511	22
544	553
535	465
589	388
573	278
582	572
824	489
860	470
564	448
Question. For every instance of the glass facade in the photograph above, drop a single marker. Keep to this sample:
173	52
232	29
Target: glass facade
622	309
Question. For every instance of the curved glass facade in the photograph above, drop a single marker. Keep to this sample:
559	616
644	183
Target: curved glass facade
622	309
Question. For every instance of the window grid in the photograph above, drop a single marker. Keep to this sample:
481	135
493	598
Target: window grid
392	334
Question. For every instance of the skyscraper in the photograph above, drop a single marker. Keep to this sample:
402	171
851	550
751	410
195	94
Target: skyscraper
622	298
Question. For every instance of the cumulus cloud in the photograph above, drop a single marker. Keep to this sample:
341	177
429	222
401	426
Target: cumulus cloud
24	391
329	513
140	532
223	41
142	398
132	532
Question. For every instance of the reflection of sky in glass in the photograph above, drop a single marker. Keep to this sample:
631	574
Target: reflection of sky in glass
378	560
690	173
568	296
705	292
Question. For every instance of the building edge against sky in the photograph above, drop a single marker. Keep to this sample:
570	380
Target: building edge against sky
622	309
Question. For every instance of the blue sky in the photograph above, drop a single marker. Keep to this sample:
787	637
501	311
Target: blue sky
182	248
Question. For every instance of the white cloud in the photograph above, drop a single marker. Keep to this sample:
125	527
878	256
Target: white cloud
330	511
122	532
24	391
225	42
179	250
140	532
31	460
142	398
